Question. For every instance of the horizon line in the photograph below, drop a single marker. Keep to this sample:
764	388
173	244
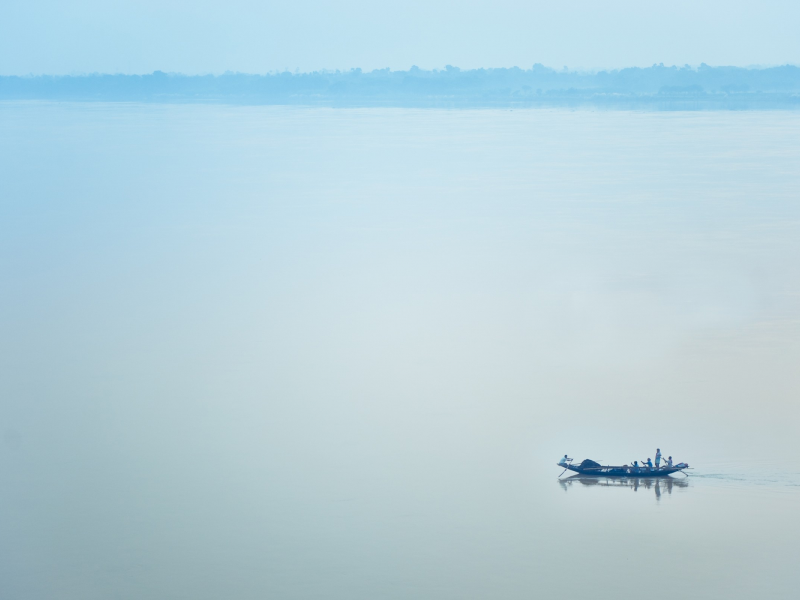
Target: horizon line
414	68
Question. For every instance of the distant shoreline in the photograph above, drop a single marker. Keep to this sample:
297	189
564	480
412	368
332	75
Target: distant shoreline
653	88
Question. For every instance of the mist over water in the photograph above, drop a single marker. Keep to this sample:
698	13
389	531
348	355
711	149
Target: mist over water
256	352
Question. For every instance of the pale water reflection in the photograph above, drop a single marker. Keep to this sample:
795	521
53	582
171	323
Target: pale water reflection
658	485
259	352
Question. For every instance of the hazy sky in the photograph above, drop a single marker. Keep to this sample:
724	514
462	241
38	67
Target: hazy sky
210	36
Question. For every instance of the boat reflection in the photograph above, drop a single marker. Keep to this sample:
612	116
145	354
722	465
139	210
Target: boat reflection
658	484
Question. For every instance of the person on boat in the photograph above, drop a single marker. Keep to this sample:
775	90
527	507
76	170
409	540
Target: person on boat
658	457
649	464
563	462
635	467
669	463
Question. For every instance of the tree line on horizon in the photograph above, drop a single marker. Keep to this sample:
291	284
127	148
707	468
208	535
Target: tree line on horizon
451	86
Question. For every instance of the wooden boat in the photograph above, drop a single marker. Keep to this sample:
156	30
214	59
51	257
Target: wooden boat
589	467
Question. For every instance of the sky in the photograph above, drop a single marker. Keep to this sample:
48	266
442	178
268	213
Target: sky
209	36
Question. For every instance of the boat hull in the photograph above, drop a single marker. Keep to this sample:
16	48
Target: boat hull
623	471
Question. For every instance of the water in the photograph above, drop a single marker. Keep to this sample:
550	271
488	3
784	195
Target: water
313	353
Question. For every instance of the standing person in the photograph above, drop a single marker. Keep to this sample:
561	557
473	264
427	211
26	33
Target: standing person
658	456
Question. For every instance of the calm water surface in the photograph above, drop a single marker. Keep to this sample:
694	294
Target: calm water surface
309	353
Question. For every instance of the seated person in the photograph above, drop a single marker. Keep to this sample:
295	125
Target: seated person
649	464
669	462
563	462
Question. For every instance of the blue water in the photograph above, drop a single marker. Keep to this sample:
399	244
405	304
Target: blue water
316	353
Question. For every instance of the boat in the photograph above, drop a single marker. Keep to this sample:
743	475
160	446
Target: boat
590	467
